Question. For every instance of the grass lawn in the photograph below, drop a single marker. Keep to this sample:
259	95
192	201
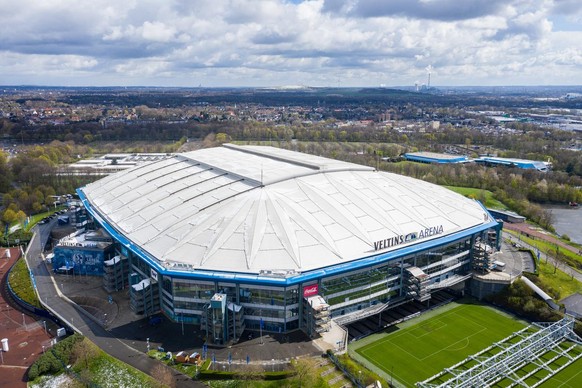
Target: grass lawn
571	377
423	347
546	246
22	284
490	202
91	366
559	281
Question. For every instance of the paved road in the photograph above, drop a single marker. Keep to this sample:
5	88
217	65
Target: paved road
56	302
525	228
547	258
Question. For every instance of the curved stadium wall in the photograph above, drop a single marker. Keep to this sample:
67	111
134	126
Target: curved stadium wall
301	239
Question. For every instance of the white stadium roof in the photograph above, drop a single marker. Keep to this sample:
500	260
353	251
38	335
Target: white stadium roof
248	209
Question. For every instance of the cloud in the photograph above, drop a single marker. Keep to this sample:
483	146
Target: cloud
567	7
271	42
445	10
271	37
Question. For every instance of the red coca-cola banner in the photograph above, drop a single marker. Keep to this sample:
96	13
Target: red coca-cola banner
310	290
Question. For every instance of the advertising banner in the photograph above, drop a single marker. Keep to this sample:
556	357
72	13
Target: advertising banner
310	290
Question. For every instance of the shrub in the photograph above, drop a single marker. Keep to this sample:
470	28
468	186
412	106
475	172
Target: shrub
359	371
522	301
21	284
54	360
33	372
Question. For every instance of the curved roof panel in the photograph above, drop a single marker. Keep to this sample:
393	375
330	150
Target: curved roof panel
249	209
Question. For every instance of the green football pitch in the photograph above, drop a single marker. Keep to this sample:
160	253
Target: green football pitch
571	377
420	348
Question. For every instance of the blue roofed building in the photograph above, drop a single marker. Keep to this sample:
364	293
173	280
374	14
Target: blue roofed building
435	158
519	163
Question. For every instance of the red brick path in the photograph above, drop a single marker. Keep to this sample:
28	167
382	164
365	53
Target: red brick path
25	334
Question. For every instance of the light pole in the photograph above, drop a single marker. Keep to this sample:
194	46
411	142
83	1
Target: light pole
45	330
105	320
148	343
42	349
261	327
23	321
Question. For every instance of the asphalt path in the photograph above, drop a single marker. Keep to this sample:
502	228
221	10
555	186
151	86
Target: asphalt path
57	303
545	257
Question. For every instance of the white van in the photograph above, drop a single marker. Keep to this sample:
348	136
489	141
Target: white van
498	265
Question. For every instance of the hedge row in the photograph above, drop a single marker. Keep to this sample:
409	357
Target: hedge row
21	283
55	359
225	375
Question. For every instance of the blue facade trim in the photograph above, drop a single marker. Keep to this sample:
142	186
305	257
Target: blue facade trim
294	280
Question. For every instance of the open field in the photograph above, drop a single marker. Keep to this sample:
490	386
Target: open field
485	196
421	348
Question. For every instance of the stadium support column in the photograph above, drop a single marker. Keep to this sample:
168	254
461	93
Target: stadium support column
472	249
401	277
499	230
217	322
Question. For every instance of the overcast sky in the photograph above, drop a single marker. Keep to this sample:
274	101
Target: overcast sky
284	42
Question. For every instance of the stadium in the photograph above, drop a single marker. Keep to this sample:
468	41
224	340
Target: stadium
263	238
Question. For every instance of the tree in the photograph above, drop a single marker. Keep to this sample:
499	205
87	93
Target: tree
84	351
222	138
9	216
21	217
305	373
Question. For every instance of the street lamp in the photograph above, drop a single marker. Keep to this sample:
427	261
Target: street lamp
261	326
45	330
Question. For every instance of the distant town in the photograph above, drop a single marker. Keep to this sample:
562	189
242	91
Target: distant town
292	234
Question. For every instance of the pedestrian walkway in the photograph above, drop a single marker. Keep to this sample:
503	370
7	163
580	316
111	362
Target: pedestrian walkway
545	257
25	334
82	304
335	339
55	292
529	230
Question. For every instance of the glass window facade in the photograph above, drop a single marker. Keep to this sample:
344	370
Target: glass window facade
185	299
189	288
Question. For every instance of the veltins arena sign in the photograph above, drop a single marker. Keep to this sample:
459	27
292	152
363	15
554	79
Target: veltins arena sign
406	238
